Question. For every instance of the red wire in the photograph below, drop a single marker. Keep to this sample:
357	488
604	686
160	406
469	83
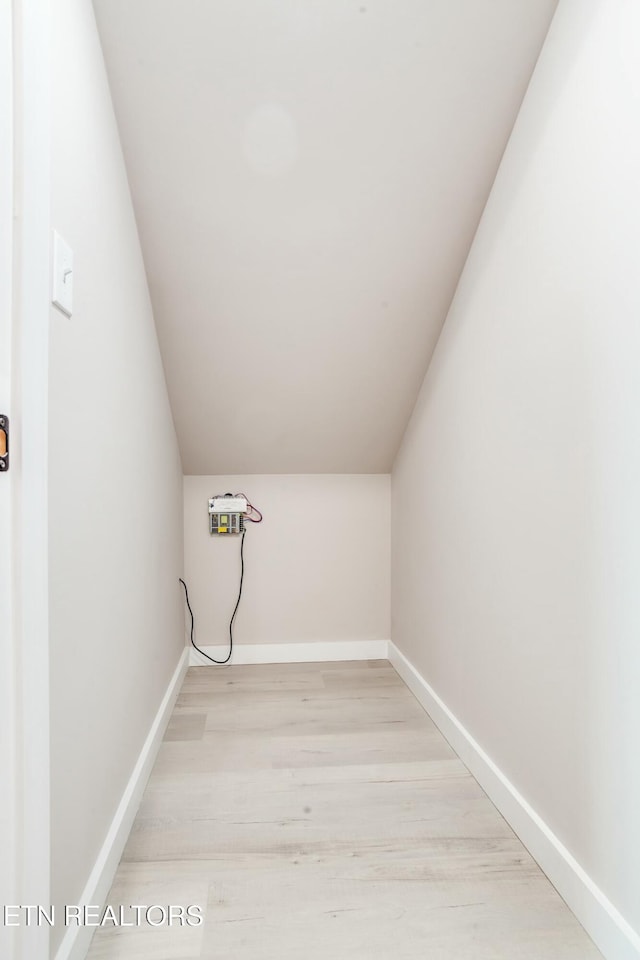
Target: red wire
251	507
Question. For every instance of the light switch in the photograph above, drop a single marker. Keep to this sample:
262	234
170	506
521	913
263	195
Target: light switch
62	296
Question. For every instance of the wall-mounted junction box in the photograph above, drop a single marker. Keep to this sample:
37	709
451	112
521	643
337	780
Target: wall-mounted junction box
226	515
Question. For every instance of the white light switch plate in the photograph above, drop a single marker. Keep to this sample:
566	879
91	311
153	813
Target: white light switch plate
62	296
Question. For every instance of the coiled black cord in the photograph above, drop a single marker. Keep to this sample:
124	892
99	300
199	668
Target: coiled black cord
233	615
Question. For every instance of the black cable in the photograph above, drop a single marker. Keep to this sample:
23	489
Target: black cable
233	615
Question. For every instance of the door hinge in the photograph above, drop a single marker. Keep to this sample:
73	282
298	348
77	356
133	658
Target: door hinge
4	443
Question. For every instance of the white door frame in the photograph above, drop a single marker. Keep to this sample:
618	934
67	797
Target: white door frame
7	691
25	78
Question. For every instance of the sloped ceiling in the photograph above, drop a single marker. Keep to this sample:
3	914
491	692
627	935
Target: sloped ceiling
307	177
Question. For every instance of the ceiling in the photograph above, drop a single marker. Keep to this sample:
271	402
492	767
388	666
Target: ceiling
307	177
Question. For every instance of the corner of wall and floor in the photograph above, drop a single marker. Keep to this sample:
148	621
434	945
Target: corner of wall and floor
514	611
312	590
115	494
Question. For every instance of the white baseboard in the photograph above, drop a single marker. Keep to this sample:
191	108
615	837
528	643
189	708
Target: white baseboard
605	925
76	941
309	652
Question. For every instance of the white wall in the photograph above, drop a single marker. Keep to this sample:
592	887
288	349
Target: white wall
515	575
316	568
115	474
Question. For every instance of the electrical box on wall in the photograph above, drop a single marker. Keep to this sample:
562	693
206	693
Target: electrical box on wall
226	515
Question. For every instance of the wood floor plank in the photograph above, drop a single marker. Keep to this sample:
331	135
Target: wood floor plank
189	726
327	716
315	810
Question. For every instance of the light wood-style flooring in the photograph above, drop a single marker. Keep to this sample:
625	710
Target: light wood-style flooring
315	811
